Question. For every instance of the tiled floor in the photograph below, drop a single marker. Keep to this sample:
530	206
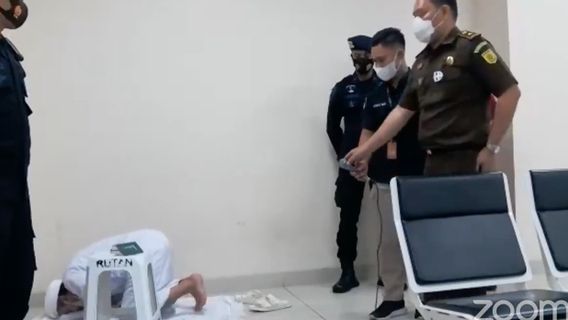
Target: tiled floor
314	303
318	303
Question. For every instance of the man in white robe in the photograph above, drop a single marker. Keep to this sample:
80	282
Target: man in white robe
69	295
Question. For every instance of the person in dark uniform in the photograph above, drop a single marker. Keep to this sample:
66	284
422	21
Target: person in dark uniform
16	233
346	103
450	84
402	156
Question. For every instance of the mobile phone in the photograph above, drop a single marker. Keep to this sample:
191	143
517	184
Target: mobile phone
343	164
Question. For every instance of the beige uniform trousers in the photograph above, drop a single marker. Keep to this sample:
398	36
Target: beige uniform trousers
391	267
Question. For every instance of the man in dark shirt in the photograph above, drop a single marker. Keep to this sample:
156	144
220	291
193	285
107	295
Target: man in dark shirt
401	156
346	103
16	232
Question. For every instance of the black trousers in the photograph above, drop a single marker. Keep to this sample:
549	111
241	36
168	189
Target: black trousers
348	197
17	258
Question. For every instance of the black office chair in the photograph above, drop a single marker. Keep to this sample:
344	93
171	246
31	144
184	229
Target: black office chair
550	215
459	233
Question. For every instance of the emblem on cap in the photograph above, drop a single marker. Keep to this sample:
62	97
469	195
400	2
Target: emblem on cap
351	45
450	61
438	76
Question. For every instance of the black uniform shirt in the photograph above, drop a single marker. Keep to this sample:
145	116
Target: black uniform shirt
346	102
409	155
14	125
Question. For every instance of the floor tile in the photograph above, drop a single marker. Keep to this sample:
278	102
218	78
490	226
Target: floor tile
356	304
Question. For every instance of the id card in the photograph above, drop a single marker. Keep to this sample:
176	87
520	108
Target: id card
391	151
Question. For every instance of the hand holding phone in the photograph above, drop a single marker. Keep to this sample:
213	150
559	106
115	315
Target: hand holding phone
343	164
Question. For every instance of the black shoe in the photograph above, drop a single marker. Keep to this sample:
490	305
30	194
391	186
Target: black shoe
417	315
347	282
382	285
388	309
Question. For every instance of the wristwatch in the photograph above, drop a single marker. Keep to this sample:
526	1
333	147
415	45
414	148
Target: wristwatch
493	148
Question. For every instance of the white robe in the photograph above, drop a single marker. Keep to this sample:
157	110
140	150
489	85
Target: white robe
154	244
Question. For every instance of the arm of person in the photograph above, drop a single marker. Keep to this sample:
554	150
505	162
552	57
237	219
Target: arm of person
392	125
396	120
504	113
496	76
365	136
75	277
334	116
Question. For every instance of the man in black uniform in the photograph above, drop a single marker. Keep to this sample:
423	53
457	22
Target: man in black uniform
402	156
346	103
16	232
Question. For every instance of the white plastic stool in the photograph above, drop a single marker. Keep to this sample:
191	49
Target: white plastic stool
99	305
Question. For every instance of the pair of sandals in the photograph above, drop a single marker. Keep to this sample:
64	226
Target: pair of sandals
260	302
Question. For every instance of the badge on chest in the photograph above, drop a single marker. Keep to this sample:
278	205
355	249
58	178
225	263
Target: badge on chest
438	76
380	105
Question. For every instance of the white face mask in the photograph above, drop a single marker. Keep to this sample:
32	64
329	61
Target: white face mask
389	72
424	29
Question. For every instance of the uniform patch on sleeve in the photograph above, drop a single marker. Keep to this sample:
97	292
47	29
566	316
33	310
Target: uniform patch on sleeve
489	56
469	35
480	46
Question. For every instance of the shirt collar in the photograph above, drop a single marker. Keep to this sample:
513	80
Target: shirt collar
402	82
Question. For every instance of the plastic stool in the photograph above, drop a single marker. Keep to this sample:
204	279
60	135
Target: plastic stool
99	305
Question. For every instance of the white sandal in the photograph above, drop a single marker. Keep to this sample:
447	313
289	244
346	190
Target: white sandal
269	303
249	298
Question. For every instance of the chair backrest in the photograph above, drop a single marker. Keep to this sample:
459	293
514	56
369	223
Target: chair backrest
550	213
457	232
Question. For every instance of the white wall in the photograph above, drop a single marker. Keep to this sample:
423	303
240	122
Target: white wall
491	20
203	118
540	61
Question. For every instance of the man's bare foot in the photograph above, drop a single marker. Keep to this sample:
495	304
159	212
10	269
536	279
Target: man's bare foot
195	286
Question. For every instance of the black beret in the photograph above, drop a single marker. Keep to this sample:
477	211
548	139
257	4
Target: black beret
362	43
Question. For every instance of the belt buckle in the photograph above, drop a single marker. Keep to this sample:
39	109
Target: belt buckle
429	152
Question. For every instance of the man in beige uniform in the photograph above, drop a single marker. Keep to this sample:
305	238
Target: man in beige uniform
450	83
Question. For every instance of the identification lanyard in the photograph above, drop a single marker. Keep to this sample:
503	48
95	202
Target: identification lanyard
392	150
389	97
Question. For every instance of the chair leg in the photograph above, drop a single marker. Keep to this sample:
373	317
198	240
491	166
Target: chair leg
145	295
99	305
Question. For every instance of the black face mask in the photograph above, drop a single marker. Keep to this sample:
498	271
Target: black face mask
363	65
9	14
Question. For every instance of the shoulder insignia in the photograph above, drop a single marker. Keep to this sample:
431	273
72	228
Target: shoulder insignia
480	46
490	56
469	35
